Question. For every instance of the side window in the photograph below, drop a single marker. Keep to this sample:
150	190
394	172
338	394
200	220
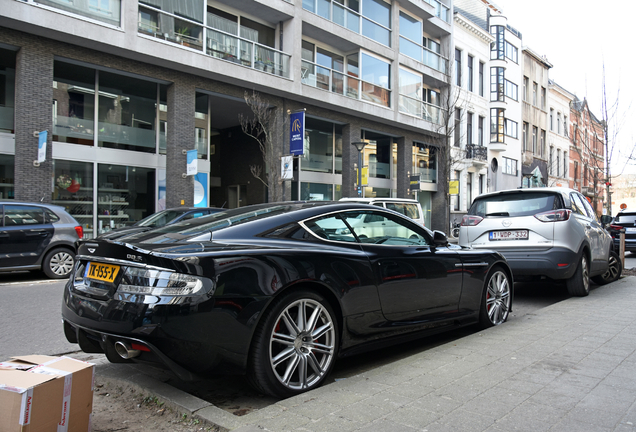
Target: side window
590	211
384	228
577	204
50	216
409	210
23	215
331	228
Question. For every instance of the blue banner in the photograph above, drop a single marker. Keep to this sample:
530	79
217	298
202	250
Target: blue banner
296	132
192	157
42	137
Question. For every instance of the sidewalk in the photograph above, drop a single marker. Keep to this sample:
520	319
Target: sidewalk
569	367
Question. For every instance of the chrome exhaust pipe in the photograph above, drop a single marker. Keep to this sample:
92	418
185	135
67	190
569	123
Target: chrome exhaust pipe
125	351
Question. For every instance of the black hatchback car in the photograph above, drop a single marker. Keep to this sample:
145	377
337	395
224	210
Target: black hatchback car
624	220
279	291
37	236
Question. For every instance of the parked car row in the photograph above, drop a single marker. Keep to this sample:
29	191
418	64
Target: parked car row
625	219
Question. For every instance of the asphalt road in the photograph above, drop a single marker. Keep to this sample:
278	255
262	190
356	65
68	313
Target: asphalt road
31	323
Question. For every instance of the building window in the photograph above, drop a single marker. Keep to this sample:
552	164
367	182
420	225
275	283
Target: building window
456	198
458	67
565	164
497	125
376	80
480	131
535	132
511	128
511	90
481	78
425	161
512	52
469	189
565	125
559	123
107	11
470	73
509	166
7	176
482	180
457	130
410	35
7	90
469	128
551	160
543	97
497	49
551	119
576	171
322	146
524	137
542	147
526	83
534	93
417	100
497	84
558	163
376	22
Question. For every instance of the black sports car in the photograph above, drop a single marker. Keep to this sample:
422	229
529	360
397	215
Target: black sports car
277	290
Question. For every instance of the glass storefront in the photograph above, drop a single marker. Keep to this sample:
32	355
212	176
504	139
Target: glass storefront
377	154
7	90
7	176
202	125
323	140
425	162
73	190
127	112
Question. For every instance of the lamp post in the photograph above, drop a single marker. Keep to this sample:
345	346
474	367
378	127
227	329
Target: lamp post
360	146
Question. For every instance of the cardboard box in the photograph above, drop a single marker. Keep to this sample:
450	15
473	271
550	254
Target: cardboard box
43	394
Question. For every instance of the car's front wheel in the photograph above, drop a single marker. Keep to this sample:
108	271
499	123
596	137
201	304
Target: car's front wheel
579	284
614	270
496	299
295	346
58	263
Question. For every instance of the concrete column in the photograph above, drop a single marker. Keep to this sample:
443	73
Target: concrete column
33	98
404	167
350	134
181	136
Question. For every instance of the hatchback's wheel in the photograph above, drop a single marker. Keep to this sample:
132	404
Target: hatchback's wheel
614	270
58	263
579	284
496	300
295	346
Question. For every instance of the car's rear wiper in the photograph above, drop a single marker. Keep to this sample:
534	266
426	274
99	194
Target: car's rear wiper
498	214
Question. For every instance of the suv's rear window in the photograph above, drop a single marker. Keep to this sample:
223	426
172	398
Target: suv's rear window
409	210
625	218
515	204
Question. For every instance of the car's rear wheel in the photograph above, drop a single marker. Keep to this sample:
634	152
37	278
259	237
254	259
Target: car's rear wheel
579	284
58	263
614	270
295	345
496	299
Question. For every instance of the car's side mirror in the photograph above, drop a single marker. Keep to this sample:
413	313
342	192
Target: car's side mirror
605	219
439	238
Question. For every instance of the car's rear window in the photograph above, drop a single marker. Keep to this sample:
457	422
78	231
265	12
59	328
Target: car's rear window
409	210
625	218
515	204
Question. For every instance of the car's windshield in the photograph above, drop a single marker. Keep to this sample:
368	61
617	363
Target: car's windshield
160	218
514	204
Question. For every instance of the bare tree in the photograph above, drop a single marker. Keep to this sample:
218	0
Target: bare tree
267	127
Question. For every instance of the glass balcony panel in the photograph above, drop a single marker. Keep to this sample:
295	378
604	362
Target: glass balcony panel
322	77
246	53
376	32
309	5
339	14
108	11
323	9
353	88
337	83
375	94
6	118
411	49
410	106
353	21
428	175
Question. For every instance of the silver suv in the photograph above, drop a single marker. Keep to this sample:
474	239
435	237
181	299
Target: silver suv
544	232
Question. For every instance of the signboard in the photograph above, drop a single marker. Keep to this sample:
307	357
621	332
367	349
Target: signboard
453	187
201	190
192	162
42	137
365	176
296	132
287	167
414	184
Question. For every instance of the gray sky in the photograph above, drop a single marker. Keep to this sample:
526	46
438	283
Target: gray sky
579	37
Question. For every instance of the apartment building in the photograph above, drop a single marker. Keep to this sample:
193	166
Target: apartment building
471	97
587	153
124	89
559	100
535	119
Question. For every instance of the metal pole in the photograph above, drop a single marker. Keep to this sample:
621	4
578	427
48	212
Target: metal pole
359	173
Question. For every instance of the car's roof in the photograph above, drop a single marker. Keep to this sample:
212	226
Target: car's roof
39	204
369	200
560	190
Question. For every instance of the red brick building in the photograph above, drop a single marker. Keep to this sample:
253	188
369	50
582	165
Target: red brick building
587	155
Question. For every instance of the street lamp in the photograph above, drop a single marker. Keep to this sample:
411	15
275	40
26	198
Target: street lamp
360	146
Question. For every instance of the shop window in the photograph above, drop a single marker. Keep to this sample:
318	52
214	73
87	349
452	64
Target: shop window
7	176
7	90
73	190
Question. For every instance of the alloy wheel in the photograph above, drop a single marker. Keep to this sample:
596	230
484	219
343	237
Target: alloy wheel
498	298
302	344
61	263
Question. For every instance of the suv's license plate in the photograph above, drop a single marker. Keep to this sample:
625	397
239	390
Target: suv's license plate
102	272
630	230
509	235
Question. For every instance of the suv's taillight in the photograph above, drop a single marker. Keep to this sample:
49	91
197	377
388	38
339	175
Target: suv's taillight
554	215
80	231
616	227
470	220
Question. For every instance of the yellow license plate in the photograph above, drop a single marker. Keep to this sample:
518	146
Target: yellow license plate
102	272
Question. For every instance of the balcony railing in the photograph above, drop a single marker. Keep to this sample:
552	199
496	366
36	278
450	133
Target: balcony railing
348	18
331	80
477	152
108	12
423	54
419	108
441	10
219	44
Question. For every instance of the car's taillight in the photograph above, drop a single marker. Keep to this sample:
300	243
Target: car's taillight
616	227
470	220
554	215
80	231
